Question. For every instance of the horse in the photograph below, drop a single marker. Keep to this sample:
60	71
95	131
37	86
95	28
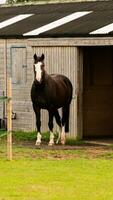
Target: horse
51	92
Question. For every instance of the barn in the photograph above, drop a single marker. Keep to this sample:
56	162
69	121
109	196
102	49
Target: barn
77	40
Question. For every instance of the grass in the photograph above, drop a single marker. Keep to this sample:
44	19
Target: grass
31	136
50	174
80	179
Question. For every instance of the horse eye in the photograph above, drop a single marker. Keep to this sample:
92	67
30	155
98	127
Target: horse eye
42	66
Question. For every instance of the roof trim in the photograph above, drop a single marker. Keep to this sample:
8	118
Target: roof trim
80	41
44	2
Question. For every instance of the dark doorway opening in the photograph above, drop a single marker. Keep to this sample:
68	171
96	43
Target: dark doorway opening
98	91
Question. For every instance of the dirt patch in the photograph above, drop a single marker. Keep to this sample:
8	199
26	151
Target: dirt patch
24	146
59	152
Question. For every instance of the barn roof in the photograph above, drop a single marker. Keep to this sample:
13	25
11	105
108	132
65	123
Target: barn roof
75	19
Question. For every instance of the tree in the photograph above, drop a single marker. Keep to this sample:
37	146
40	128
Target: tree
18	1
24	1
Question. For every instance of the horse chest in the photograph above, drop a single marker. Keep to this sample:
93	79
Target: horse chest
40	97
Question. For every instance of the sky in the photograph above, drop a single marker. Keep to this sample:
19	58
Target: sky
2	1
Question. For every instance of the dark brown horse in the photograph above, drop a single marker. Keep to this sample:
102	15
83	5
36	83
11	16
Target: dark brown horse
51	92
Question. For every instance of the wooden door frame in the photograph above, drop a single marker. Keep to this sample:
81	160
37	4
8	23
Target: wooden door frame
80	93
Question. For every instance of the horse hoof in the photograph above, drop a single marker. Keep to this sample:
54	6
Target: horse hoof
57	142
63	142
37	143
50	144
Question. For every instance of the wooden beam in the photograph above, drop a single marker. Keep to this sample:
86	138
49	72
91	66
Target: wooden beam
9	119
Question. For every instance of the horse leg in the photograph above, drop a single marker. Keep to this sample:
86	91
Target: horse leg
65	123
50	124
38	124
58	121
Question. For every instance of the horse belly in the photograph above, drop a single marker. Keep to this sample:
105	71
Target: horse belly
60	100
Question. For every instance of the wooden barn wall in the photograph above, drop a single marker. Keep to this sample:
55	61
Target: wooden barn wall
62	60
60	57
2	83
21	92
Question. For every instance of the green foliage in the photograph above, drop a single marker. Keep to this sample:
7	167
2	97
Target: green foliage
3	133
72	142
24	136
3	98
17	1
22	1
31	136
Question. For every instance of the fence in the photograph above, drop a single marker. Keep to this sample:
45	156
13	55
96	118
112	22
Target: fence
8	99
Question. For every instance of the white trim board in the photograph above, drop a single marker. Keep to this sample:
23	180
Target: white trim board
13	20
104	30
57	23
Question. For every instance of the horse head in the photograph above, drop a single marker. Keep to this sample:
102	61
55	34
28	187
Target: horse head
39	67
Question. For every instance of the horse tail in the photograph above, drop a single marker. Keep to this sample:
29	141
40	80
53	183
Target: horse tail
65	117
68	107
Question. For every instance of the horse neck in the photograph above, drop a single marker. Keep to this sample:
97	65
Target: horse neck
45	76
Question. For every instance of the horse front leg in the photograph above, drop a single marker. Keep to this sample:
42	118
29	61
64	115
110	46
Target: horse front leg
38	124
50	124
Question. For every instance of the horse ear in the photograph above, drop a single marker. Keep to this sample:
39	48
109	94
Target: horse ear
35	57
42	57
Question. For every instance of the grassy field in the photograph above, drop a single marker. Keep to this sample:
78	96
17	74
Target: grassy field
80	172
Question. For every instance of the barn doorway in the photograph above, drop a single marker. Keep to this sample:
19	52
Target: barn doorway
98	91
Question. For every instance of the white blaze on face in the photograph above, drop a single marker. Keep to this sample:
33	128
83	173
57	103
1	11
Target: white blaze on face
38	71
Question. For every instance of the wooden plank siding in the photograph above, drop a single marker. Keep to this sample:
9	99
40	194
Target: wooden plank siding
2	83
62	55
22	106
60	58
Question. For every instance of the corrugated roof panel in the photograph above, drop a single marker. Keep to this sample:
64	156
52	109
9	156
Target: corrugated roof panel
57	23
33	22
101	16
84	25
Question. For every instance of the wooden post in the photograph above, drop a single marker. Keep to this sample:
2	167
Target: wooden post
5	75
9	119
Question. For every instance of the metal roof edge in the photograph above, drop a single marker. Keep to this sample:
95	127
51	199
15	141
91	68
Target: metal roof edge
80	41
44	2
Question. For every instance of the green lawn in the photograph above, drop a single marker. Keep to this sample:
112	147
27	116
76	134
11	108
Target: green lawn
49	174
40	179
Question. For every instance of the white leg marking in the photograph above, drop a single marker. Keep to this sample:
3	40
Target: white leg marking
59	135
51	141
38	141
63	136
